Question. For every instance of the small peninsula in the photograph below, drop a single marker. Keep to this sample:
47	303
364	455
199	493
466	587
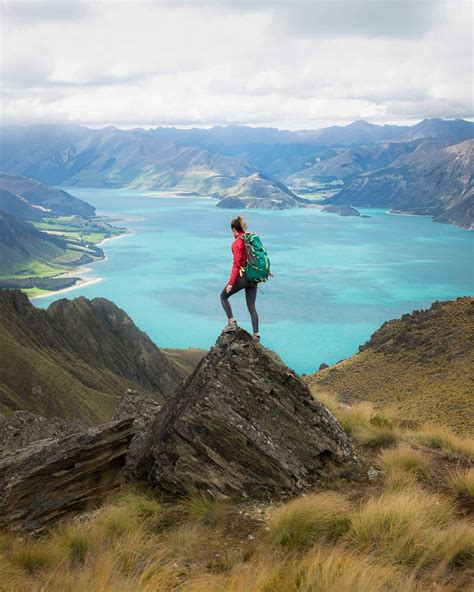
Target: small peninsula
45	235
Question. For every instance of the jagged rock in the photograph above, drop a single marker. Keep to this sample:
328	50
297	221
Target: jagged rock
52	478
243	424
137	405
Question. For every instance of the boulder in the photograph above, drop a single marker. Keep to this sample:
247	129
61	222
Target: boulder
53	478
243	424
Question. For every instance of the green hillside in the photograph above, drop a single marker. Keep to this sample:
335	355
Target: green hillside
26	251
418	368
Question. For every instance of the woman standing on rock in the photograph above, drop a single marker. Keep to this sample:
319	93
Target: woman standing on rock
238	280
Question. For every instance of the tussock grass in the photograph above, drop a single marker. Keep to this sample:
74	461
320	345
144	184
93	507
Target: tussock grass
377	435
401	541
461	484
398	479
74	540
454	546
440	437
301	522
362	421
355	418
396	525
204	508
405	459
32	557
321	570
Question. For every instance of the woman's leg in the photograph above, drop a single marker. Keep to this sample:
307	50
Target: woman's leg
251	297
239	285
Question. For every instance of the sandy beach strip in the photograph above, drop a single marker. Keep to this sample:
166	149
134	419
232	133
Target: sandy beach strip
116	237
80	284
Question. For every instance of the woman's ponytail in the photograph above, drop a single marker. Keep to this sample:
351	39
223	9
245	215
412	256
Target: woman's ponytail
239	224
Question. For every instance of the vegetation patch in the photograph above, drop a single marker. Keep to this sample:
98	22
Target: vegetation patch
305	520
461	484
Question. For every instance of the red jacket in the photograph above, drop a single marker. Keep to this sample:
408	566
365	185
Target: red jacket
240	258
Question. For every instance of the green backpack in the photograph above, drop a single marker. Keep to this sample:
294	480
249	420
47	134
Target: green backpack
258	264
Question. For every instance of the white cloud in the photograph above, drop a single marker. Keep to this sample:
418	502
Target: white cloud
291	64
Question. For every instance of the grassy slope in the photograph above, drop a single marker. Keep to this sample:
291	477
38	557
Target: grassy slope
51	386
65	386
418	368
185	359
406	531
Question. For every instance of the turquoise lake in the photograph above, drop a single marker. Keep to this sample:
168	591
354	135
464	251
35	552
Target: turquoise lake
336	279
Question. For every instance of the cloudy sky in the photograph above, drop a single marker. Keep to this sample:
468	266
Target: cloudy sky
287	63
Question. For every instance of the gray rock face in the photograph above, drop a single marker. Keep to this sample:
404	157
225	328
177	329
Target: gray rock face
53	478
143	410
243	424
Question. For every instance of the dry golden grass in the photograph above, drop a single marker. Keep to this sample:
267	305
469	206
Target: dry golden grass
461	483
399	526
399	541
302	522
441	437
405	459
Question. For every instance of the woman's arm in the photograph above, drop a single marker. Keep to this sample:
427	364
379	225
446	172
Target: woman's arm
238	251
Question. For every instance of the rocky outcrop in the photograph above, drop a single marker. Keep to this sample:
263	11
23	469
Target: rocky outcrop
54	478
143	410
243	424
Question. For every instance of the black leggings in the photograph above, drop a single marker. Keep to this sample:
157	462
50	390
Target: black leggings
250	297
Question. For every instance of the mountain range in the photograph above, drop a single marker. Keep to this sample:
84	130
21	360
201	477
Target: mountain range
222	161
430	180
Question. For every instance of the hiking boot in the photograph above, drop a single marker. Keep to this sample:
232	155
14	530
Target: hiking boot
229	327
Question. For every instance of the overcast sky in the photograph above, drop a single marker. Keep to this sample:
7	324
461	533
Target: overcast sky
291	64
